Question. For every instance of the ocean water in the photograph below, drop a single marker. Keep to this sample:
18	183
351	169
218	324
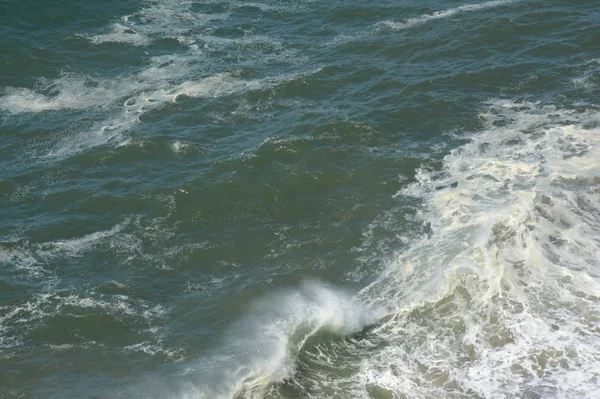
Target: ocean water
300	199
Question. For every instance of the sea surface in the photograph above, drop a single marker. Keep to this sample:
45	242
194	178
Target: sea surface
300	199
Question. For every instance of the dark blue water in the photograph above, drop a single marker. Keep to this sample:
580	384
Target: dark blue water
299	199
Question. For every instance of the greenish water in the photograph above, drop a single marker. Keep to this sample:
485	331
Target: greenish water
299	199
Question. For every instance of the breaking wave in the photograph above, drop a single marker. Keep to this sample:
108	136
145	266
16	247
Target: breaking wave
501	297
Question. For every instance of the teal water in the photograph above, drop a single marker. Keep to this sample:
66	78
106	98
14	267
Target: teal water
299	199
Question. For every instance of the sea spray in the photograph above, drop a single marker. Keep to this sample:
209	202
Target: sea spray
260	349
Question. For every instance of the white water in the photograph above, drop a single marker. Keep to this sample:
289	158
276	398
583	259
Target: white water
501	298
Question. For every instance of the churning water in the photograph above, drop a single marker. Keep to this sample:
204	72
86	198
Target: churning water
300	199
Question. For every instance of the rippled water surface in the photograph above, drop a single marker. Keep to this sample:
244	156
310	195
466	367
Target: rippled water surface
300	199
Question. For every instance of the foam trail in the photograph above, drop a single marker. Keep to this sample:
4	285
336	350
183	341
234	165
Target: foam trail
135	95
30	261
70	91
113	131
119	102
442	14
31	257
74	91
412	22
16	320
501	298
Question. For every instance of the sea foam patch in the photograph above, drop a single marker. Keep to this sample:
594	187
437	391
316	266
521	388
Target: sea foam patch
123	100
69	91
502	295
176	19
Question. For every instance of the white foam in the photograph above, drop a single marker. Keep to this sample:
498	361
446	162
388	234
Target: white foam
76	246
175	19
120	33
156	348
113	131
21	259
74	91
590	77
179	147
248	49
70	91
159	20
501	298
16	319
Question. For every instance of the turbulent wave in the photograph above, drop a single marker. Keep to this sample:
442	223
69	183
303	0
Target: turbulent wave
261	348
501	298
